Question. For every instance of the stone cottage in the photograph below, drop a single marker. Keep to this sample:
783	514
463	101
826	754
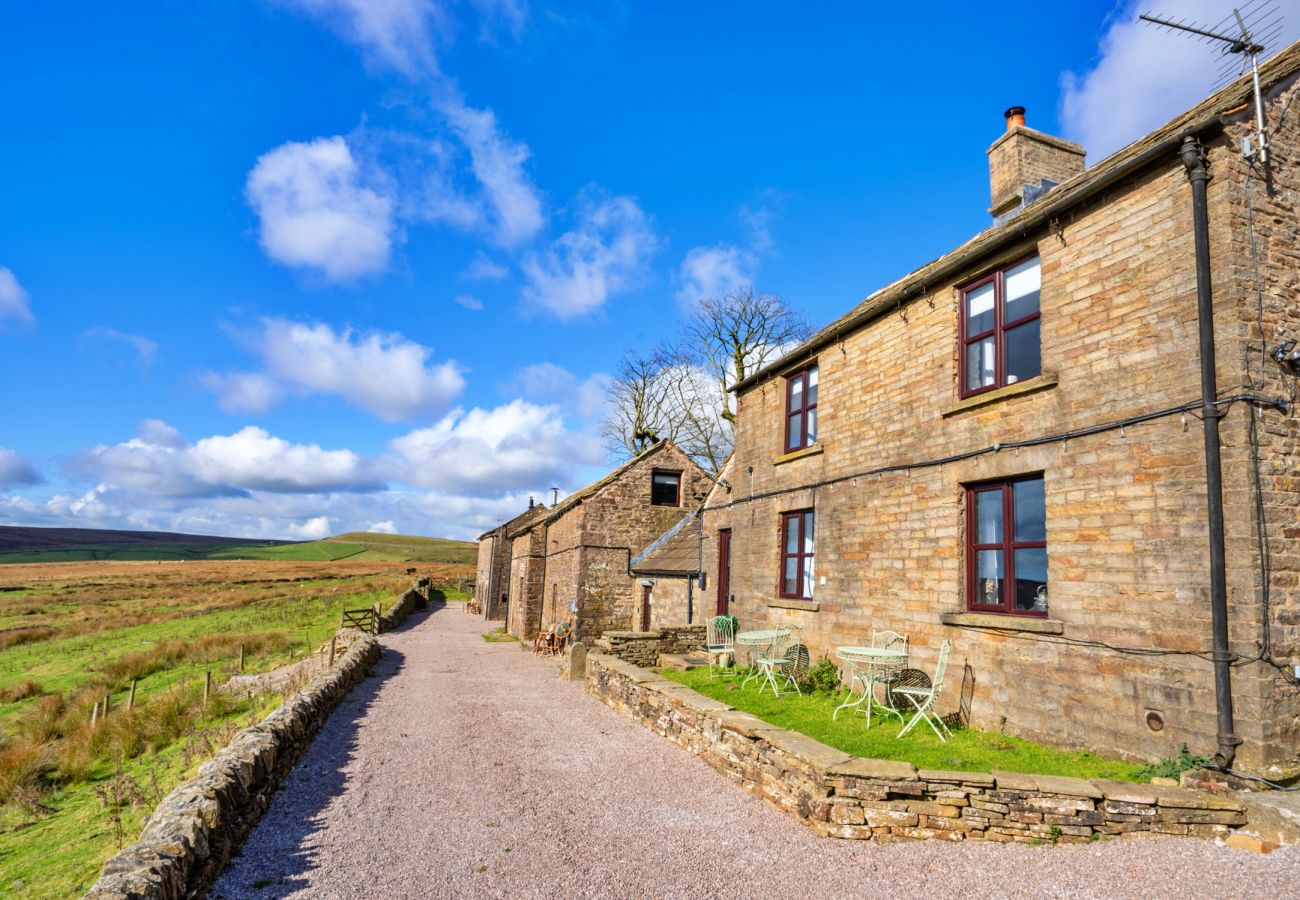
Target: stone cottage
575	561
492	578
1006	448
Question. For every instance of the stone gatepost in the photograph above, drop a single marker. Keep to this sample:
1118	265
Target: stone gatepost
575	668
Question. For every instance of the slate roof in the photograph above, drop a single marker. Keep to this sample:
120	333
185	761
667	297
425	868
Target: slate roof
675	552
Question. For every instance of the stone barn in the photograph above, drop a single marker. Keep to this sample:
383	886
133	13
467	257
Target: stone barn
492	579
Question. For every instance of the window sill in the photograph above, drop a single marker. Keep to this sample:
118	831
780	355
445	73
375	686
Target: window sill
805	605
814	450
1029	386
1003	622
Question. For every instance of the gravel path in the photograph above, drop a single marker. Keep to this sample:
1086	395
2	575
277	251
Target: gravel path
471	769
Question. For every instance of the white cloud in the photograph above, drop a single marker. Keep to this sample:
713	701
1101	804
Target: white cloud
511	14
311	530
469	301
512	447
15	304
605	255
143	346
551	384
713	272
484	269
498	164
384	373
16	469
386	527
396	34
243	392
316	212
159	462
1145	75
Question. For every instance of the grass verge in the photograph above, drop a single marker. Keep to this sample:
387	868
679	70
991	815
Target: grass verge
969	749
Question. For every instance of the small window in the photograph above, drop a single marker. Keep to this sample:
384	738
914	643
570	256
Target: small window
1006	536
999	328
797	554
801	410
666	489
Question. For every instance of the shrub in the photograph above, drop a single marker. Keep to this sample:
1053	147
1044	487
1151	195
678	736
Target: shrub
23	769
1173	766
822	678
22	691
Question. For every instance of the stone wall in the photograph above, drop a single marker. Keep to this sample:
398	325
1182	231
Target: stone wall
198	826
1126	519
843	796
642	648
527	567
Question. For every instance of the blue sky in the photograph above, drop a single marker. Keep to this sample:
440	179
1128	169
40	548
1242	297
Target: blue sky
286	269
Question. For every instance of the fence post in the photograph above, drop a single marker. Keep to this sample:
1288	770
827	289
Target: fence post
207	685
376	618
106	704
331	662
94	715
241	659
130	699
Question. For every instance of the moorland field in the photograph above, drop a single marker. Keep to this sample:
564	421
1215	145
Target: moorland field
72	792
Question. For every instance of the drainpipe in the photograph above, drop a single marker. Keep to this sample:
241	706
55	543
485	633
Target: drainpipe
1193	155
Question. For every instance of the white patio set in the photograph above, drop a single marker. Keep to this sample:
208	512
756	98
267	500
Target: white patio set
877	675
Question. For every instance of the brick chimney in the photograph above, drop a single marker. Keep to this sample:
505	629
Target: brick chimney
1024	163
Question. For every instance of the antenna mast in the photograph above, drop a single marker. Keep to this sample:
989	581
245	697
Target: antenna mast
1244	44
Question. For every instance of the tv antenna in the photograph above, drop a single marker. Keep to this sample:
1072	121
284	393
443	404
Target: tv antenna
1258	23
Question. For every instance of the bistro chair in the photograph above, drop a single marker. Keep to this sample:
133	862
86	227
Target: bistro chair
922	698
786	662
720	642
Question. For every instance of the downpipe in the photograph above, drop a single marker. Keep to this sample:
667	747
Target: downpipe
1193	157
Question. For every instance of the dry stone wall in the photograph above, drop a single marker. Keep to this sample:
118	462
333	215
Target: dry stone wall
839	795
199	825
642	648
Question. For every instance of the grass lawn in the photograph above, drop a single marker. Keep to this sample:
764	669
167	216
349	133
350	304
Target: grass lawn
969	750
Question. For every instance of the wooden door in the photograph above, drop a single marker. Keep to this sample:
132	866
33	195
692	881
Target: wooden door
645	608
724	571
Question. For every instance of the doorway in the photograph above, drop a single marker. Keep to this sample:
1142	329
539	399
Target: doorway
645	607
724	571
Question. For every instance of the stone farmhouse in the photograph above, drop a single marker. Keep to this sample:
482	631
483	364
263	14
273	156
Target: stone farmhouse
1008	448
492	578
575	560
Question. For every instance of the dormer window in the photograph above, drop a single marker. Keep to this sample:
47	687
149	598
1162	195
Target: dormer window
801	409
1000	342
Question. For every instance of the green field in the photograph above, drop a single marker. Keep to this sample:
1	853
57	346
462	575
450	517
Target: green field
83	546
70	794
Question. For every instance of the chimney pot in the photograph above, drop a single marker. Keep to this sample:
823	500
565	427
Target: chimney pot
1015	116
530	502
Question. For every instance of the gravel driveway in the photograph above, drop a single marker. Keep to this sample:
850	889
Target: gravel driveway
470	769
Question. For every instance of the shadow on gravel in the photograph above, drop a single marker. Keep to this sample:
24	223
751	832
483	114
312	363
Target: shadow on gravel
419	616
315	781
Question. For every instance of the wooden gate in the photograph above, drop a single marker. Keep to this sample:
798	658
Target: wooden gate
361	619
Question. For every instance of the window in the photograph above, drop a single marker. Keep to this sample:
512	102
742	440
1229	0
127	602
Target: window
666	488
999	328
1006	564
801	410
797	554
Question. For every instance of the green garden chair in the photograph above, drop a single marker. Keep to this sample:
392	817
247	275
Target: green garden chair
922	698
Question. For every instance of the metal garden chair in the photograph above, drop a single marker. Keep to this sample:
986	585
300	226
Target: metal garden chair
720	641
922	698
788	663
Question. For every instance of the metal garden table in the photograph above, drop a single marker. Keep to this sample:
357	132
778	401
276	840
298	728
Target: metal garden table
764	642
870	666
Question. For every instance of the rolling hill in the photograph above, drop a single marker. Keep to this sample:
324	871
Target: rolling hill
20	544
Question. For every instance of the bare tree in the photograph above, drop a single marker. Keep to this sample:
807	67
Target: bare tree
640	408
735	336
682	391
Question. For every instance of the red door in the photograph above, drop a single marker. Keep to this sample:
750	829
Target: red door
724	571
645	608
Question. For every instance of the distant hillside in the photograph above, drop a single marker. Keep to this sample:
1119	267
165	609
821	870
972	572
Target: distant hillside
19	544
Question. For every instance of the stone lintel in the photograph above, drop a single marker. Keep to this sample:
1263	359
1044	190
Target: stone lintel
1003	622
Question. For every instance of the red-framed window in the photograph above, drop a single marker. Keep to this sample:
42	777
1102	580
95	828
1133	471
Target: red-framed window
1000	339
801	409
665	488
797	554
1006	536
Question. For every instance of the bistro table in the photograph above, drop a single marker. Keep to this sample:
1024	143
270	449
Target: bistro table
764	642
870	666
